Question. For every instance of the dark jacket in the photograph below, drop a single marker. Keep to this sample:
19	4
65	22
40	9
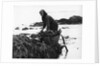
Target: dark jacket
50	23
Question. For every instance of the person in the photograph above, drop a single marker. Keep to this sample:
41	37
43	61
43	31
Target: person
51	27
48	22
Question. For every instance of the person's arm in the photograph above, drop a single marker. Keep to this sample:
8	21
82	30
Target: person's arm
44	25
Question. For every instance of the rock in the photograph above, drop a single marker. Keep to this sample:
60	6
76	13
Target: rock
17	28
65	27
66	37
32	25
76	19
38	24
30	28
25	28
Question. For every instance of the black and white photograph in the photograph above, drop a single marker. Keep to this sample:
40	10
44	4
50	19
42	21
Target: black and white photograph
47	32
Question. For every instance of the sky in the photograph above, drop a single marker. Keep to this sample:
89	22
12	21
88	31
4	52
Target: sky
30	14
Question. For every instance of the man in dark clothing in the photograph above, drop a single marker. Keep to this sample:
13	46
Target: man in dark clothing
48	22
51	27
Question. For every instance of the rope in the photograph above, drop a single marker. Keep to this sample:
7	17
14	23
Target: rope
64	46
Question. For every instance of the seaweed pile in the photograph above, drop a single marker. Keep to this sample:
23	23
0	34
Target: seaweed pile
30	47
